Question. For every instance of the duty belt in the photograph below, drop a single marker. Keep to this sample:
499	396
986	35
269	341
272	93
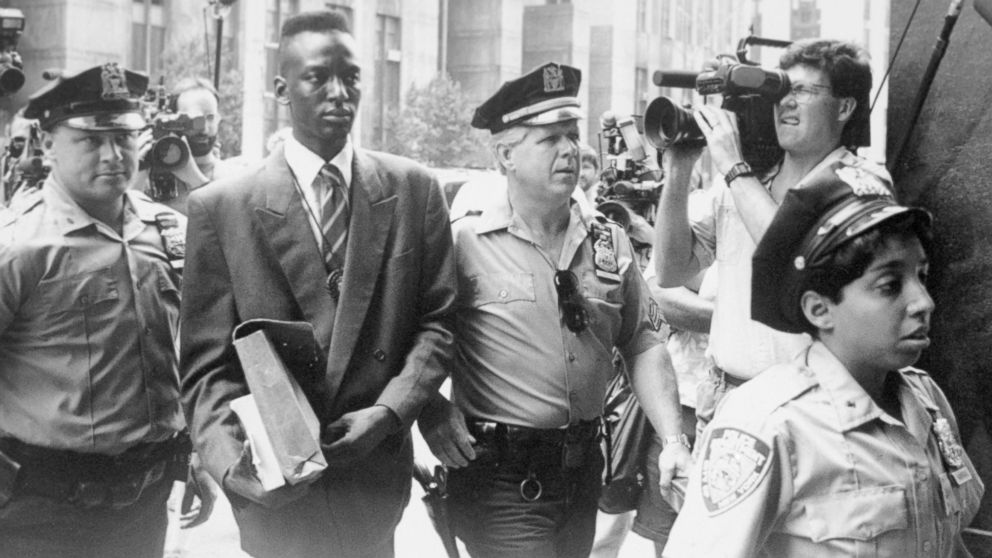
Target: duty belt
91	480
537	452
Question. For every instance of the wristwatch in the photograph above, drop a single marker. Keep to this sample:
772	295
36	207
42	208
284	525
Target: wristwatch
736	171
680	439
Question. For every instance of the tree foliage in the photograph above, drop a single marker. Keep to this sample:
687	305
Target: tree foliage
433	127
189	59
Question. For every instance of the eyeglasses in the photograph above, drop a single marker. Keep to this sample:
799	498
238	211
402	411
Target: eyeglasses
804	93
574	313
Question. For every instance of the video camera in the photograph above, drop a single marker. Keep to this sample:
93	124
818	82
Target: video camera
748	90
630	185
23	162
11	67
168	151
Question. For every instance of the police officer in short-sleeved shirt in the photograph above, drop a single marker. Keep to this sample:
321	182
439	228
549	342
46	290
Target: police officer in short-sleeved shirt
547	289
89	304
803	460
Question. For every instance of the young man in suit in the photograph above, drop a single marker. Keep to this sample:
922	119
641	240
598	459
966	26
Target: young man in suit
354	242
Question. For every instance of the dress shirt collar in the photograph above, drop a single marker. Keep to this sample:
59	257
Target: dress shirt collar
305	164
499	214
853	404
70	217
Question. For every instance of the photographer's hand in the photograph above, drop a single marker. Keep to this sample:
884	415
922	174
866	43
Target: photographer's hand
722	136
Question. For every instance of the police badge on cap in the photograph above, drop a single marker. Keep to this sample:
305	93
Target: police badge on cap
105	97
545	95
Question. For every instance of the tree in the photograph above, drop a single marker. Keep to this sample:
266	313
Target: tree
189	60
434	128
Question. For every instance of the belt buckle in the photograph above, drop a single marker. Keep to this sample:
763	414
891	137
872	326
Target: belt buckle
531	488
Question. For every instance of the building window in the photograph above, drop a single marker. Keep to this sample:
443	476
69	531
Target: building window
274	115
147	36
665	18
387	82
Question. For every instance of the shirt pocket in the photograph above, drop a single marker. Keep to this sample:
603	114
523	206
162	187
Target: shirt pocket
80	293
863	522
81	305
499	288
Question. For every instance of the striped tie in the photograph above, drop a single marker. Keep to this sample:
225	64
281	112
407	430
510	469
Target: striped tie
334	213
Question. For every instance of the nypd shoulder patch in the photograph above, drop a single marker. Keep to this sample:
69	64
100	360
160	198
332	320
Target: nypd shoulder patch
734	463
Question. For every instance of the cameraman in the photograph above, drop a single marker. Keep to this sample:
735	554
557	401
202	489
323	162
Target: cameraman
193	97
817	124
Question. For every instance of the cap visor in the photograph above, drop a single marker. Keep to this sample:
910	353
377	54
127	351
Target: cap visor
554	116
128	121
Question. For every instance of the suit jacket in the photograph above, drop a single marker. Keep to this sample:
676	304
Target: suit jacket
251	253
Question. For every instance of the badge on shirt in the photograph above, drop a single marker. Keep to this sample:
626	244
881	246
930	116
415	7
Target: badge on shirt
604	257
950	450
173	239
654	315
734	463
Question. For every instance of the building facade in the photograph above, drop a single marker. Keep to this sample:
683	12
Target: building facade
480	43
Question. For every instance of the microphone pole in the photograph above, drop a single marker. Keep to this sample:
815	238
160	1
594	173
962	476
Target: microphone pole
221	9
953	11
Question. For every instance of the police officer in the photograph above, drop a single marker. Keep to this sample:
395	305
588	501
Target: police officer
548	287
89	299
847	450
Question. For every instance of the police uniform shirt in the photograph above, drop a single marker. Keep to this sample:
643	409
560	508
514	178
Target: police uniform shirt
88	320
739	345
517	362
801	461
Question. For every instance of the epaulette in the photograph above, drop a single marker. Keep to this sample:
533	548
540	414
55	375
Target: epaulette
469	213
769	390
25	201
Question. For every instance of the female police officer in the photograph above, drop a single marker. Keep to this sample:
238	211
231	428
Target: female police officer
847	450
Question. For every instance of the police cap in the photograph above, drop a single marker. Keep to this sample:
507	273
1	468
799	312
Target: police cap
546	95
105	97
832	208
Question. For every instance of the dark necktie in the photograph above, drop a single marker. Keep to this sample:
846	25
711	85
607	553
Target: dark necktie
334	213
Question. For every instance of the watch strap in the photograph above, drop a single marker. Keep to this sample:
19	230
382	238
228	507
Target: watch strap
738	170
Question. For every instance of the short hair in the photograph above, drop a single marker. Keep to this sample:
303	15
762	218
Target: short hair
850	260
848	67
188	84
317	21
589	154
510	137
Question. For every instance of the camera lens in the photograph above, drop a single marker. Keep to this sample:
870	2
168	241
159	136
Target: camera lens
666	123
169	152
11	80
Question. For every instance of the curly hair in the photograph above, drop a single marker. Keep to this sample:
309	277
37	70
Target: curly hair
847	65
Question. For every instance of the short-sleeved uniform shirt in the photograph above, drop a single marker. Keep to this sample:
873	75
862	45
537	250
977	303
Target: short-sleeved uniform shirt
801	461
739	345
516	361
88	322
